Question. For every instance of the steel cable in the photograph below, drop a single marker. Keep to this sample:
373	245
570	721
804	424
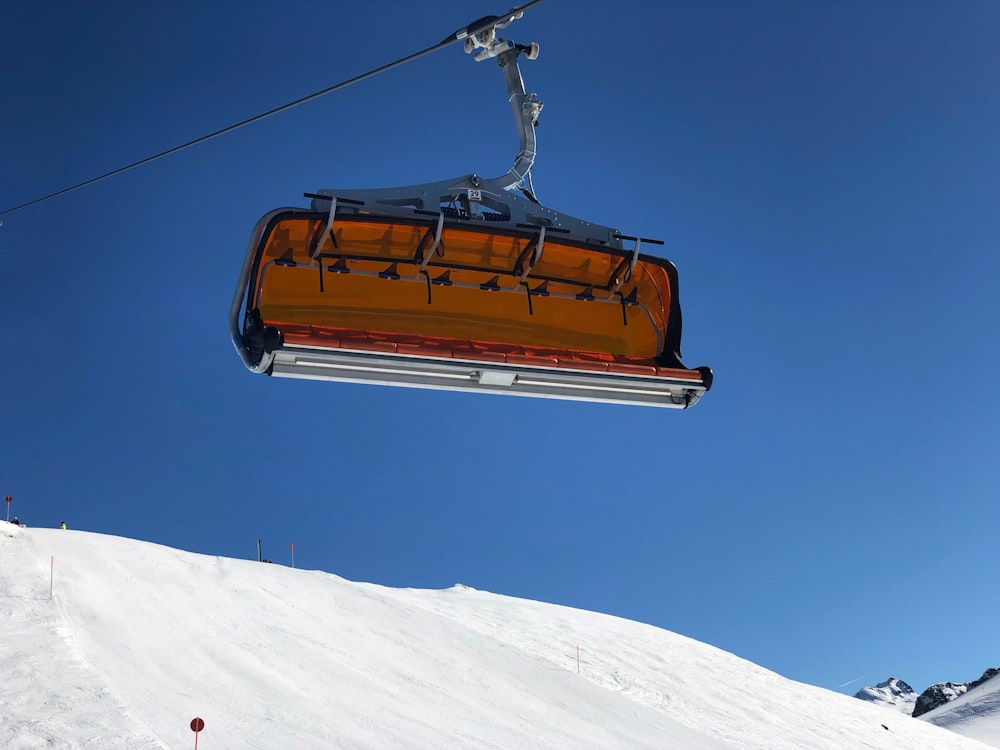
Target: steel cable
471	30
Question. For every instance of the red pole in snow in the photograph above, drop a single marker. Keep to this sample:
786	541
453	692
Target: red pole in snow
197	724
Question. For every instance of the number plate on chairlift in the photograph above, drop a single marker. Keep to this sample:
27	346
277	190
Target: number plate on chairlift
494	377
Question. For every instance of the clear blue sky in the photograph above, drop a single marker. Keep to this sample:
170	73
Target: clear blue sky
826	177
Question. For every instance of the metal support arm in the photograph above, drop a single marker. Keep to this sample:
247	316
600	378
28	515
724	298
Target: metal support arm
524	105
526	108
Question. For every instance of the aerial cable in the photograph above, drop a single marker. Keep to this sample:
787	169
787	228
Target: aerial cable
472	29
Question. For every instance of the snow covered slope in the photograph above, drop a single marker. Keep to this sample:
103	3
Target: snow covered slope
975	714
139	639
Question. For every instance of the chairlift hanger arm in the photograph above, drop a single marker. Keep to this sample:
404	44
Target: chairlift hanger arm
494	199
525	106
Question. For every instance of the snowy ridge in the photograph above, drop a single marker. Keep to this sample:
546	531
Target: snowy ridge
140	638
944	692
974	714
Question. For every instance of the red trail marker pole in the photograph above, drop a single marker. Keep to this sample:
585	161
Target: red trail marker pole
197	724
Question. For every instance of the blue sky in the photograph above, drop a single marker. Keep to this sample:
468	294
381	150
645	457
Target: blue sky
825	176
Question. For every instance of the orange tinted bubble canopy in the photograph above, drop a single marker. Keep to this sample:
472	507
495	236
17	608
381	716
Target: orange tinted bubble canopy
463	285
378	274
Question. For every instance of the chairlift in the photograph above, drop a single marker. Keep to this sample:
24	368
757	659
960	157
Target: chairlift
464	285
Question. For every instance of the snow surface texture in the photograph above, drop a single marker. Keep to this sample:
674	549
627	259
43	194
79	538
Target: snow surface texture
974	714
139	639
892	693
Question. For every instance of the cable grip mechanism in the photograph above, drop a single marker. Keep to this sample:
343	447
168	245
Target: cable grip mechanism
490	45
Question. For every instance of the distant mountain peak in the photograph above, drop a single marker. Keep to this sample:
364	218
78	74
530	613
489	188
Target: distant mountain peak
898	685
892	693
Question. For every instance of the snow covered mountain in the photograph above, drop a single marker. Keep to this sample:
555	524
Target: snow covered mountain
892	693
971	709
138	639
938	695
976	713
943	692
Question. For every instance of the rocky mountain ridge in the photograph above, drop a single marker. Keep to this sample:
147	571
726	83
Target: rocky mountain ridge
944	692
898	695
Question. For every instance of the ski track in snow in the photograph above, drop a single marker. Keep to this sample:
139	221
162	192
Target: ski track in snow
141	638
51	695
